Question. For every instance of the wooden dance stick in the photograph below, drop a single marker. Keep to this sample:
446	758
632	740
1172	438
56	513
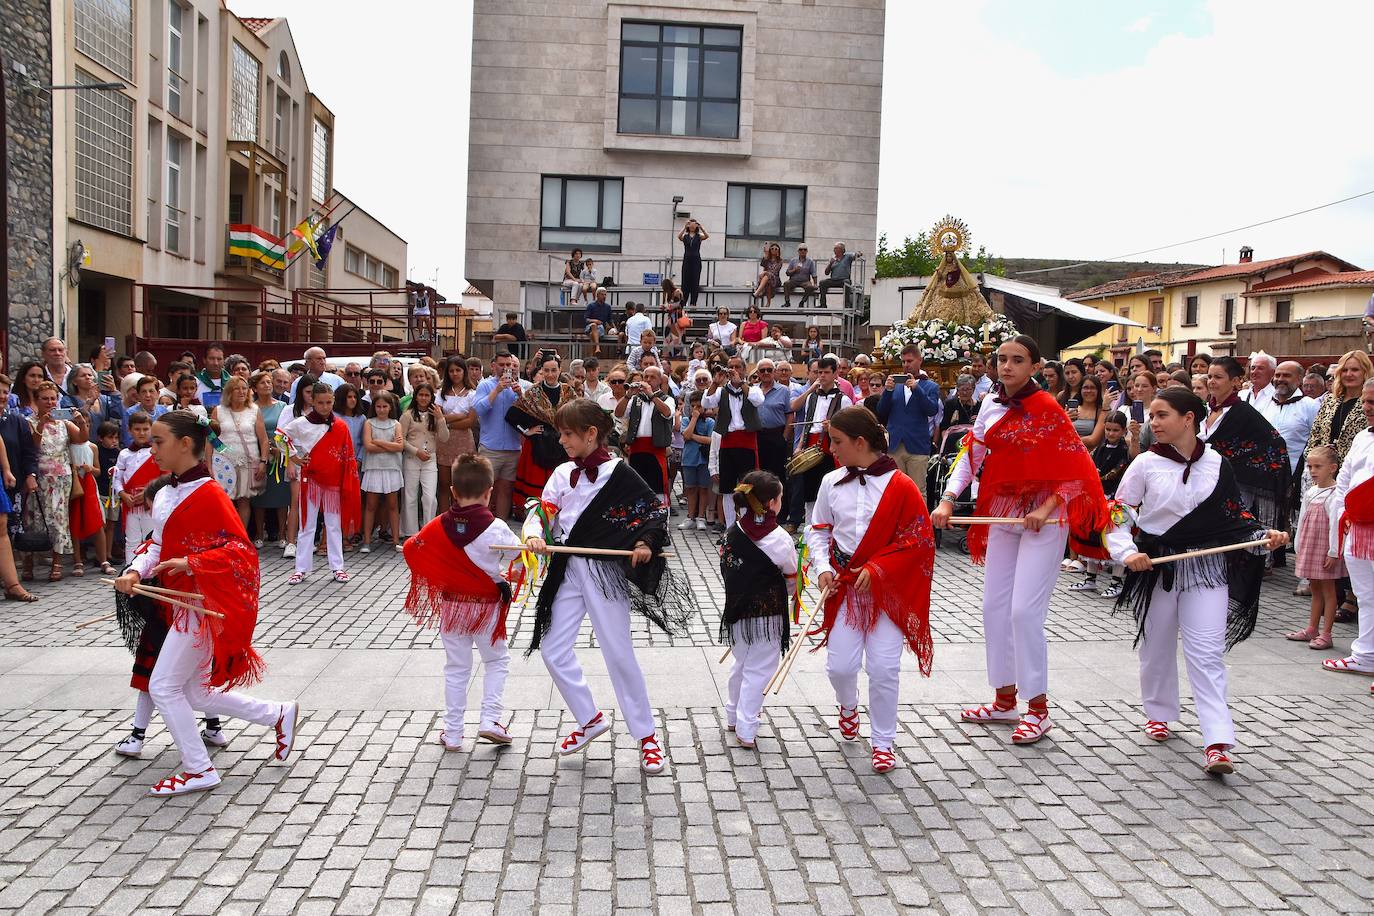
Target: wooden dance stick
984	520
576	551
728	650
780	676
94	620
147	592
159	590
1206	552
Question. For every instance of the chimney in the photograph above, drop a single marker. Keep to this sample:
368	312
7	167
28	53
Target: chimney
1247	254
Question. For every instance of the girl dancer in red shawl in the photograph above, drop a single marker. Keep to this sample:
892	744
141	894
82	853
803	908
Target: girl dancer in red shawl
199	545
329	481
870	541
1033	466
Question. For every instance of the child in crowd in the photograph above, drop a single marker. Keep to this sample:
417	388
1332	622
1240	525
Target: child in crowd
457	586
86	514
697	426
1318	560
134	470
587	284
382	483
323	450
647	339
1111	458
698	360
107	450
758	565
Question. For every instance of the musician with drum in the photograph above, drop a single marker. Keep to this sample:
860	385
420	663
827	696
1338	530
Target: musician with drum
821	400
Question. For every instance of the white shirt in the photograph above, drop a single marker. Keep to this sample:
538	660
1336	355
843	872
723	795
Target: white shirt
1317	496
166	501
1355	470
959	477
646	415
822	408
721	333
329	378
1213	421
847	509
493	562
1256	398
982	387
1153	485
303	434
779	547
457	404
636	325
569	501
711	401
595	393
126	465
1294	423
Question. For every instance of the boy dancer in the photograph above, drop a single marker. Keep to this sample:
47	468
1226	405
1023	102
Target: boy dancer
134	470
456	585
329	482
597	500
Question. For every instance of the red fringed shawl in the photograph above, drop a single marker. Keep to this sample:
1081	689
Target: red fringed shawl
330	479
447	589
85	514
1035	453
205	529
147	472
1357	521
898	550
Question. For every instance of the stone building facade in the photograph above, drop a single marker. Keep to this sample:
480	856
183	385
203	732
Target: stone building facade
26	42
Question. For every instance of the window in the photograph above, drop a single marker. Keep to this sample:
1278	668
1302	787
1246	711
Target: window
353	260
175	81
1283	310
756	214
105	33
279	121
1121	330
1156	313
319	163
176	147
578	212
1190	311
679	80
1228	315
284	68
389	277
243	95
104	157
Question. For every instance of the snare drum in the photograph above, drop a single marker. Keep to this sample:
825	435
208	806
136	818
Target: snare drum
804	460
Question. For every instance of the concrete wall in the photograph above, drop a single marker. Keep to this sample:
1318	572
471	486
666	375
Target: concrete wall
26	39
544	93
1316	303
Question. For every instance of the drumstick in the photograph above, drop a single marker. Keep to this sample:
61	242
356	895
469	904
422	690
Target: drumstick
786	666
144	590
577	551
984	520
159	590
1206	552
102	617
805	423
725	656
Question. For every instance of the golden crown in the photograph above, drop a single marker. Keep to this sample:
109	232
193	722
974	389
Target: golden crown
950	234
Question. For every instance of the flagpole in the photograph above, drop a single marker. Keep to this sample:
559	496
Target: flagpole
306	248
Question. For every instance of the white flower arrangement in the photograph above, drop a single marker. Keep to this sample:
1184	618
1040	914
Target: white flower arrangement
946	342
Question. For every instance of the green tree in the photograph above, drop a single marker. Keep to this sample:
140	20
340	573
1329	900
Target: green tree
913	259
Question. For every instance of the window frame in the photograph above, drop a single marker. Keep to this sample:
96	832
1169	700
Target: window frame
700	98
1155	316
1122	331
174	213
1196	310
1227	320
781	238
600	227
1278	304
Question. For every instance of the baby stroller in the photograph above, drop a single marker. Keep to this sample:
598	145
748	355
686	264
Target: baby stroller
941	466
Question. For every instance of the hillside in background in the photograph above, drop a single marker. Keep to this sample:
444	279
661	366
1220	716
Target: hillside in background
1086	274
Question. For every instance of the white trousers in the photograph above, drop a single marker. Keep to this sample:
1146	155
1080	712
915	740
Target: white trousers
137	527
333	538
1199	617
1362	580
879	653
458	672
755	663
1021	570
177	687
419	498
143	710
578	597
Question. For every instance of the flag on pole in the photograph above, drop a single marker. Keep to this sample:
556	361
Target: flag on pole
323	244
249	241
304	237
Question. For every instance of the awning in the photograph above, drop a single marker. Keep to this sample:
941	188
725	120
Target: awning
1055	322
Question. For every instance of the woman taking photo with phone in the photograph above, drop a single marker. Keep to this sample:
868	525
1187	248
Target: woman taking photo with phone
48	508
1089	415
691	237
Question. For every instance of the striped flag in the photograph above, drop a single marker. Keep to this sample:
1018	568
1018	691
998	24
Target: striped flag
249	241
304	238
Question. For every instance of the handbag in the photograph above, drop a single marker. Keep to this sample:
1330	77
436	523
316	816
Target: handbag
29	541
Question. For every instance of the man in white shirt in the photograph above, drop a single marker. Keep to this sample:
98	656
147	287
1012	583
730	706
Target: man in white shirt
315	365
1261	391
1291	413
978	368
636	325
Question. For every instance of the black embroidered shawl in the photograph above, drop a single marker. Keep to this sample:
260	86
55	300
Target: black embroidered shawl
1218	520
1259	456
623	512
755	593
143	628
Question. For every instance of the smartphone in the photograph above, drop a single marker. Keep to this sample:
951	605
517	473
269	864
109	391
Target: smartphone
1071	403
900	378
1138	411
110	346
63	413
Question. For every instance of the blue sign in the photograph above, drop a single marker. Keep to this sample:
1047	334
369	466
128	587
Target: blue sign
653	279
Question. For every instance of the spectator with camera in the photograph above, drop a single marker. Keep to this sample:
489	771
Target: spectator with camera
908	402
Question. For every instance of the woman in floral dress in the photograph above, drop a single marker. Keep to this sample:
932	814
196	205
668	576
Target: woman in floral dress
48	507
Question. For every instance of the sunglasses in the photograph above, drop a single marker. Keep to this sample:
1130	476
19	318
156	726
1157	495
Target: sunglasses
763	370
615	381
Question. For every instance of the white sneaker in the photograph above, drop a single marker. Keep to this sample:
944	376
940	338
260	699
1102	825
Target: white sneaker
286	729
213	737
685	524
701	524
366	548
131	746
650	756
282	543
183	783
258	542
288	551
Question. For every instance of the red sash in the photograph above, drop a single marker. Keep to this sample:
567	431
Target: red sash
147	472
205	528
1357	521
742	438
898	550
1035	453
84	514
330	479
447	589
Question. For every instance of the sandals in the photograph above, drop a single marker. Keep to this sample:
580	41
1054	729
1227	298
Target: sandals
296	578
78	569
1217	762
1302	635
108	570
1320	641
1071	566
55	575
1087	585
1156	730
1031	728
17	592
341	575
1346	666
849	723
991	713
883	760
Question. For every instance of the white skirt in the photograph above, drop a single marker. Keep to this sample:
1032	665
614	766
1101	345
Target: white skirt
382	480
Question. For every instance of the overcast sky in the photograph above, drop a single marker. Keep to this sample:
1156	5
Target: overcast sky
1055	128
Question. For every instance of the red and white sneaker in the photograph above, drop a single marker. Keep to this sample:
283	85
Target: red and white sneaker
286	729
650	756
450	745
1031	728
849	723
1158	731
581	737
984	714
883	760
185	783
1217	762
495	733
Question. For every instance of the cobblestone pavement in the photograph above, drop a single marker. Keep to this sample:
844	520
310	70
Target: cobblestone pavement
371	816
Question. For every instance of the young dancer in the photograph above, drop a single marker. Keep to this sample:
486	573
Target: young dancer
456	585
1352	536
323	449
1033	466
737	406
758	565
134	470
1318	561
597	500
1185	498
871	543
199	545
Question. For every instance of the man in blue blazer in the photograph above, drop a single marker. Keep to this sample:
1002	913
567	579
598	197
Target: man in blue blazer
906	409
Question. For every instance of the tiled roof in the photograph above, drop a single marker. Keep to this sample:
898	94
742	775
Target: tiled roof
1228	271
1128	285
257	23
1316	278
